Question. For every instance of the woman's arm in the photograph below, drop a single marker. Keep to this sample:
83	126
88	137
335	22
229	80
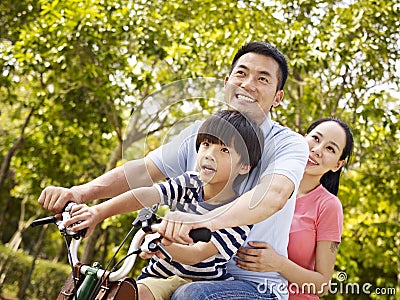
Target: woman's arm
263	258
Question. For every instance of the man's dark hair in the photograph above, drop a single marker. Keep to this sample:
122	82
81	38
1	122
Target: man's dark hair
231	128
269	51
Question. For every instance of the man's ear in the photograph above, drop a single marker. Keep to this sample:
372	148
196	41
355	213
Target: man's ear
244	169
338	166
278	98
226	80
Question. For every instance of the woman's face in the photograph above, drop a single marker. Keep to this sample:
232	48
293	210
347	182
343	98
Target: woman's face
326	143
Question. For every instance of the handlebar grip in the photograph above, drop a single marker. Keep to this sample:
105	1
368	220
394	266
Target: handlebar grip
48	220
43	221
200	234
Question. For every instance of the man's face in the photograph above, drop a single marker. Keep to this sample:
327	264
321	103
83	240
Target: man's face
251	88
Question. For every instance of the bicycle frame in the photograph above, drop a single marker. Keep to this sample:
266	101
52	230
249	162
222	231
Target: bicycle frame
128	263
141	241
95	273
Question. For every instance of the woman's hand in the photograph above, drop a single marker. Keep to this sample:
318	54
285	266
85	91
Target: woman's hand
260	258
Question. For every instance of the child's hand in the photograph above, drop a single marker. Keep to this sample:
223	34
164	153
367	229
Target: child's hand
85	215
148	255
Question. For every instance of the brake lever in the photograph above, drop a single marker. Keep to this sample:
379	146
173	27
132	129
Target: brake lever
152	244
145	217
164	251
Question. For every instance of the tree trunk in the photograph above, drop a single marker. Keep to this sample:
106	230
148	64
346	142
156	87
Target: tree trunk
25	284
16	239
5	166
4	267
6	162
3	213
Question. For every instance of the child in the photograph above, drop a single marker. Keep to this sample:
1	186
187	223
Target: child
228	146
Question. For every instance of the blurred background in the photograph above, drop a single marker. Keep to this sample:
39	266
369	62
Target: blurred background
77	86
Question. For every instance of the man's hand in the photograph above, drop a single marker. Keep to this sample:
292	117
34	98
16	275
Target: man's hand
54	198
175	227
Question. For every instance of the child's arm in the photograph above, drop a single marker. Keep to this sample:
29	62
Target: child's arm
226	242
129	201
192	254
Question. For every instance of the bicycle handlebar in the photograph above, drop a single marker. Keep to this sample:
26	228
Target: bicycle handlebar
145	217
200	234
43	221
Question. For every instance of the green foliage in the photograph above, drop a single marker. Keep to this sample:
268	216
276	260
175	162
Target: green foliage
370	194
76	75
42	286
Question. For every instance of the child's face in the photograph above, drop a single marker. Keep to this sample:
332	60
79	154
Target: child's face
218	163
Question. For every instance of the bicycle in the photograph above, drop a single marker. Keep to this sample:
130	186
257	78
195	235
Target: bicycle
93	282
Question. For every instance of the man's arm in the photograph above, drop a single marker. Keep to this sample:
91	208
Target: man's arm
268	197
137	173
170	160
254	206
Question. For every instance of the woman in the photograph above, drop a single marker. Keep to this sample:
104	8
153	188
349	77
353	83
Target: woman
318	218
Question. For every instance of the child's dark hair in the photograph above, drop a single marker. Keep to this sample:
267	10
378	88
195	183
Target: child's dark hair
269	51
330	180
231	128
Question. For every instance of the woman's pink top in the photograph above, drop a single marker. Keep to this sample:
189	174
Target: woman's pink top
318	216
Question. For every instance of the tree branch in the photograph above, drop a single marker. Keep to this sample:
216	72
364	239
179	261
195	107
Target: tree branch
5	166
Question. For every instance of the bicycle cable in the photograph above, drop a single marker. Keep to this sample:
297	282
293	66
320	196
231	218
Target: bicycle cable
137	251
103	279
75	291
98	285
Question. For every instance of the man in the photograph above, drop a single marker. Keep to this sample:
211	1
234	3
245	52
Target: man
254	85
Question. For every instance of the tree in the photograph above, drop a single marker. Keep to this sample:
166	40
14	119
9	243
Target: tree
72	73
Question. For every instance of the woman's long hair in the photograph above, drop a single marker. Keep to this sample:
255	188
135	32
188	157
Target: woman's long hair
330	180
